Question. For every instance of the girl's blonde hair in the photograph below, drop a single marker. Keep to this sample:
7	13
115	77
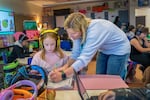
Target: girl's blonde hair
52	34
78	22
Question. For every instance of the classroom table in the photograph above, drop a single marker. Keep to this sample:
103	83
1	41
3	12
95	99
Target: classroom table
94	84
73	94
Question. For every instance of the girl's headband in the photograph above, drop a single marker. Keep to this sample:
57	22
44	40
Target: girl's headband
53	31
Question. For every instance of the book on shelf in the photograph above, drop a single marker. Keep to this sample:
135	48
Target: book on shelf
64	84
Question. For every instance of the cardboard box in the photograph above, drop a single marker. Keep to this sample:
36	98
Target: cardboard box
1	43
47	95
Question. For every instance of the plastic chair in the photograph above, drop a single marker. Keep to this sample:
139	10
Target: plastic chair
4	57
29	60
130	76
16	35
66	45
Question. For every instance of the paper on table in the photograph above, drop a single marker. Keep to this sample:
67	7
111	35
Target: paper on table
64	84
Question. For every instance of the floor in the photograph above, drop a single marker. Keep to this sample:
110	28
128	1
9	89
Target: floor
138	75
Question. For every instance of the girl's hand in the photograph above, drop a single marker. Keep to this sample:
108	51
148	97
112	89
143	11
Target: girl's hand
109	95
61	68
55	76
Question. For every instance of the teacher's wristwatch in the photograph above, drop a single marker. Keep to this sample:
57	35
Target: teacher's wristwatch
63	75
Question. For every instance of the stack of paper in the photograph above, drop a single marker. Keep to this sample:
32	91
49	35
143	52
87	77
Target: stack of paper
64	84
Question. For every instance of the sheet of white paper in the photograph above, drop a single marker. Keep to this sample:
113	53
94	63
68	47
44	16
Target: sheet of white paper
64	84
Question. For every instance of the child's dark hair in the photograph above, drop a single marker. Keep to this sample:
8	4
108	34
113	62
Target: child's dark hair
130	28
142	30
22	37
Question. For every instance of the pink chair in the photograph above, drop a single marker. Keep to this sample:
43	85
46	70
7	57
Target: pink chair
16	35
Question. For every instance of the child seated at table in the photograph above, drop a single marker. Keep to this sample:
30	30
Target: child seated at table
50	56
20	49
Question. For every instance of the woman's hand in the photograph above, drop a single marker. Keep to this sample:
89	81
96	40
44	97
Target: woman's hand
109	95
55	76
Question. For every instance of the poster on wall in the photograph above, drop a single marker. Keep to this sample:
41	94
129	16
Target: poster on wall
99	15
60	21
88	14
143	3
29	25
6	22
112	15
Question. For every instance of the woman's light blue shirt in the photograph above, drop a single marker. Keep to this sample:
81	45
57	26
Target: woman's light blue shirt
102	35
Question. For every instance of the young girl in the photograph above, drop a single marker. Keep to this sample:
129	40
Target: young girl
51	55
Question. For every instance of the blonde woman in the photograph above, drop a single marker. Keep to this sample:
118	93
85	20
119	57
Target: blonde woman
90	36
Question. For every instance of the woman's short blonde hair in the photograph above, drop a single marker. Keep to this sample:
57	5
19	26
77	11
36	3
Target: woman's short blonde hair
78	22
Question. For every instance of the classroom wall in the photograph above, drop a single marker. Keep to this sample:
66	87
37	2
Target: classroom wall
23	11
111	13
19	18
21	7
132	6
144	12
